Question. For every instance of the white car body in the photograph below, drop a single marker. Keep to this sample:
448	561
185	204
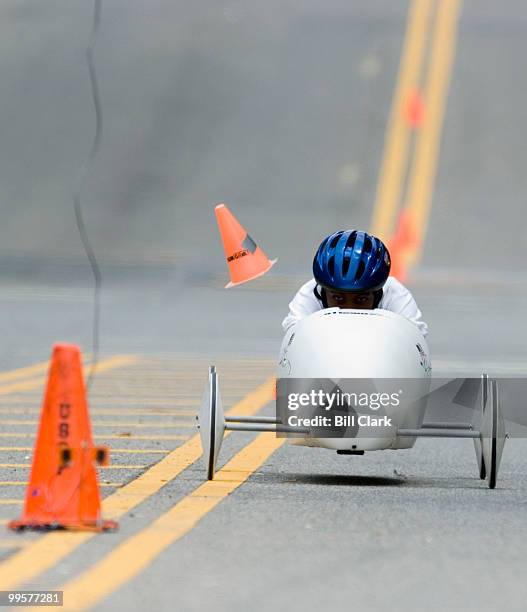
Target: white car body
365	344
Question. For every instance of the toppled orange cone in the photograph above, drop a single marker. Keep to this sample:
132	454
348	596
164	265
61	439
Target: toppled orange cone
245	259
63	492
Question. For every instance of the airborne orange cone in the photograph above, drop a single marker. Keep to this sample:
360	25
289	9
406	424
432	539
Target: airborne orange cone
63	491
245	259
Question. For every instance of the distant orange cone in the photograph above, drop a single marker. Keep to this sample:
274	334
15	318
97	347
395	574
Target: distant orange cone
245	259
63	491
406	231
415	109
404	241
398	267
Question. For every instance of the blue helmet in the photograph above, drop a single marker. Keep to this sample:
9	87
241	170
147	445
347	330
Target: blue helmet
352	261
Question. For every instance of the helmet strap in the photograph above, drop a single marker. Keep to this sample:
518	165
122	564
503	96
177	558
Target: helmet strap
321	295
377	297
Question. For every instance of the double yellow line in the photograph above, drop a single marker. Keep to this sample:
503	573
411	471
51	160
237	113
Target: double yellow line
137	552
47	551
430	35
43	554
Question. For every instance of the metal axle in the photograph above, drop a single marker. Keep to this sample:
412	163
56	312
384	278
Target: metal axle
251	419
264	427
439	433
439	425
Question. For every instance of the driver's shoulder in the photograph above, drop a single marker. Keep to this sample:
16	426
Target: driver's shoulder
394	286
394	294
306	290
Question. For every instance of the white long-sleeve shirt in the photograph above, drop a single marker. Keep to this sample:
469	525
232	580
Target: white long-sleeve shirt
395	297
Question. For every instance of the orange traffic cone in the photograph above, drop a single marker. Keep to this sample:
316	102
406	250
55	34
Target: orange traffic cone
63	492
415	109
398	267
406	231
245	259
404	241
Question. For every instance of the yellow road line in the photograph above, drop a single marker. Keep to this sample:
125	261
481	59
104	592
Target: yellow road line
106	364
190	424
19	483
397	134
424	166
130	451
30	371
35	410
100	467
11	483
137	552
48	550
37	368
115	398
11	502
13	543
123	436
146	384
94	400
164	397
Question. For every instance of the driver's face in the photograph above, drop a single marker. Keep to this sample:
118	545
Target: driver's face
344	299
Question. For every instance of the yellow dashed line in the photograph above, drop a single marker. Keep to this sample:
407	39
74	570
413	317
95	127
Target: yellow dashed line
150	424
33	370
100	467
122	436
34	410
131	451
104	365
119	401
20	483
11	483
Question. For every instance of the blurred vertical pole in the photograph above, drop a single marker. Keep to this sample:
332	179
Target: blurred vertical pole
84	171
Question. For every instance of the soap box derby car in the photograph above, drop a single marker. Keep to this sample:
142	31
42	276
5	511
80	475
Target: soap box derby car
374	345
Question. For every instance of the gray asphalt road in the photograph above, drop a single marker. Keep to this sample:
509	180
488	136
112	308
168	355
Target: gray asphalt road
279	109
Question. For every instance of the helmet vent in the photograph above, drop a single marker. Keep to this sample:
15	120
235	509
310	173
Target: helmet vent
360	270
350	242
335	240
331	266
346	265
